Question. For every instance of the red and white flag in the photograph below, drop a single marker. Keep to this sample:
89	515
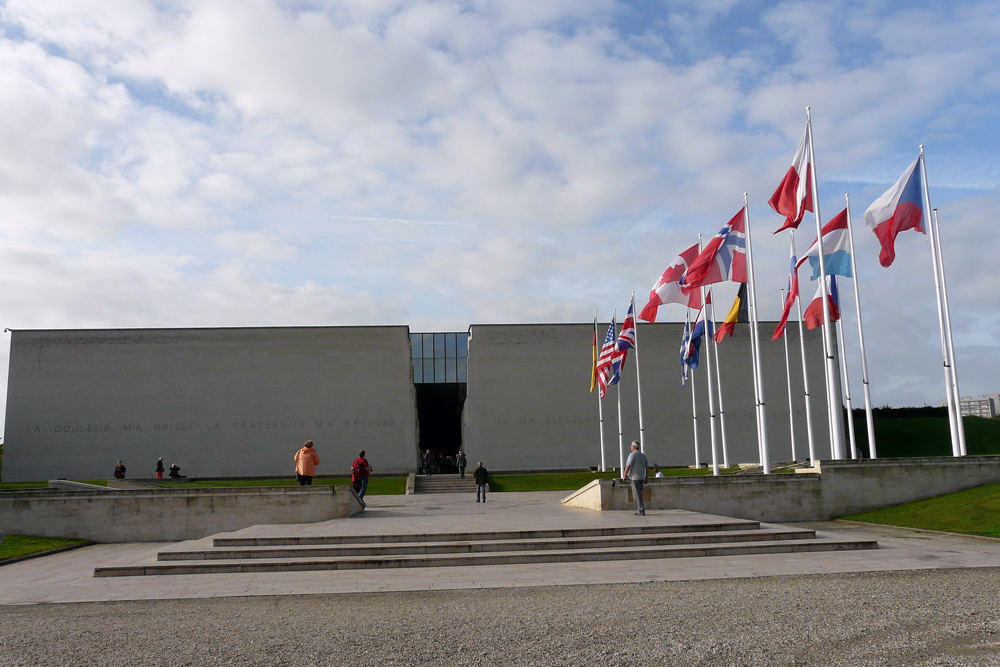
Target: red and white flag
794	195
813	317
668	288
791	294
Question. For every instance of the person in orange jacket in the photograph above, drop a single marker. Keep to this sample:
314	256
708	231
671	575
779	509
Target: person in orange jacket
306	460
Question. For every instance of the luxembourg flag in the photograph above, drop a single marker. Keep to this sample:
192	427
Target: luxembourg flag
668	288
899	209
813	316
836	249
794	195
724	258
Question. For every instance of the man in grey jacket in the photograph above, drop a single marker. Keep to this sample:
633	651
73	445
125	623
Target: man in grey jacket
637	471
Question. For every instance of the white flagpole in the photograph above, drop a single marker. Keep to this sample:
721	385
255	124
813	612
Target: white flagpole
954	407
847	383
708	378
600	403
618	394
753	371
947	321
805	375
638	382
833	404
718	384
788	380
765	459
688	373
869	420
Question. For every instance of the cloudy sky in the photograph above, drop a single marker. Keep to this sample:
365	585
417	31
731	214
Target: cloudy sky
440	163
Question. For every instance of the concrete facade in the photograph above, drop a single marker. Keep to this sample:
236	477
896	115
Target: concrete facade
218	402
835	489
167	516
529	404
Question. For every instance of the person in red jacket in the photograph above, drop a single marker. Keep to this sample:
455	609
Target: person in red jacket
306	460
360	470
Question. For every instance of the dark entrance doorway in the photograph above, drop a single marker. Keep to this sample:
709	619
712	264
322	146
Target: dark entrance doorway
439	411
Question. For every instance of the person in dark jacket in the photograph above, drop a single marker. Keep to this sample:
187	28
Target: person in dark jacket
159	468
461	462
481	475
120	471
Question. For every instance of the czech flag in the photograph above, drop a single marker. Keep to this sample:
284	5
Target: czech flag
899	209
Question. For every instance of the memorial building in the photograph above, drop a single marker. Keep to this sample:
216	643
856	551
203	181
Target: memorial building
239	402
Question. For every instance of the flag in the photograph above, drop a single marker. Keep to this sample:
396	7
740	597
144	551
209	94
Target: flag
609	362
691	346
836	249
684	346
738	313
593	367
668	288
899	209
626	339
794	195
814	313
791	294
724	258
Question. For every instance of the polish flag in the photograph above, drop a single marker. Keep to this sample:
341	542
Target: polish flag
794	195
813	316
668	288
899	209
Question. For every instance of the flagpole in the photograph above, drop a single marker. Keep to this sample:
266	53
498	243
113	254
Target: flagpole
753	372
718	384
951	345
836	435
869	420
805	375
600	403
954	407
788	379
638	382
842	352
708	378
765	459
687	372
618	394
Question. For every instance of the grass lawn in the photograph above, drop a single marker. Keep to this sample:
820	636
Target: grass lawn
570	481
377	486
16	546
14	486
926	435
972	512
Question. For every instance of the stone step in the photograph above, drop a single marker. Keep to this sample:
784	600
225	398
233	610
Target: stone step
506	558
552	533
488	546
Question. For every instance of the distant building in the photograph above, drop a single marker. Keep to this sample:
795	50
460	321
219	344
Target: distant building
978	406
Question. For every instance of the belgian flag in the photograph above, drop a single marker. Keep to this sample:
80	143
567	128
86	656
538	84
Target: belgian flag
738	313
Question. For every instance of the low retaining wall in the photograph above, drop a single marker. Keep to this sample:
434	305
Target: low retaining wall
832	489
170	514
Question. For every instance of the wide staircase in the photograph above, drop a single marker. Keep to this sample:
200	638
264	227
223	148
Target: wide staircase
444	484
718	537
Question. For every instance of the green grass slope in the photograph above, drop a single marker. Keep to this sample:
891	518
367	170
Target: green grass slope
971	512
900	434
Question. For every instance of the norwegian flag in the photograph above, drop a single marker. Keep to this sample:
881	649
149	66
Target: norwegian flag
668	288
609	363
724	258
626	339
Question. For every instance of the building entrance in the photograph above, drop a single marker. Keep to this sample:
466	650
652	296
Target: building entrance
439	377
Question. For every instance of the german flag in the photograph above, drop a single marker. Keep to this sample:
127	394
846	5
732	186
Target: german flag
738	313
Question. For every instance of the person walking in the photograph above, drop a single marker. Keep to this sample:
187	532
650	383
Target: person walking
427	462
637	471
120	470
306	460
481	475
461	462
360	470
159	468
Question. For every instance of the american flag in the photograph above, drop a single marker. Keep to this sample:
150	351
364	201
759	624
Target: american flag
609	363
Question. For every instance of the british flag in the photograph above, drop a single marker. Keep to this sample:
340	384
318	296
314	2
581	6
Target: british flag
610	361
626	339
724	258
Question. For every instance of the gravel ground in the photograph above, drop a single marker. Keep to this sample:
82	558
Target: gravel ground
931	617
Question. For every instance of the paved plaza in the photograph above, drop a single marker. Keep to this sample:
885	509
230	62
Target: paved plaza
68	577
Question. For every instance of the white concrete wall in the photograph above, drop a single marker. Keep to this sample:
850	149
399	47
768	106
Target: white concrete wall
169	515
840	488
218	402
